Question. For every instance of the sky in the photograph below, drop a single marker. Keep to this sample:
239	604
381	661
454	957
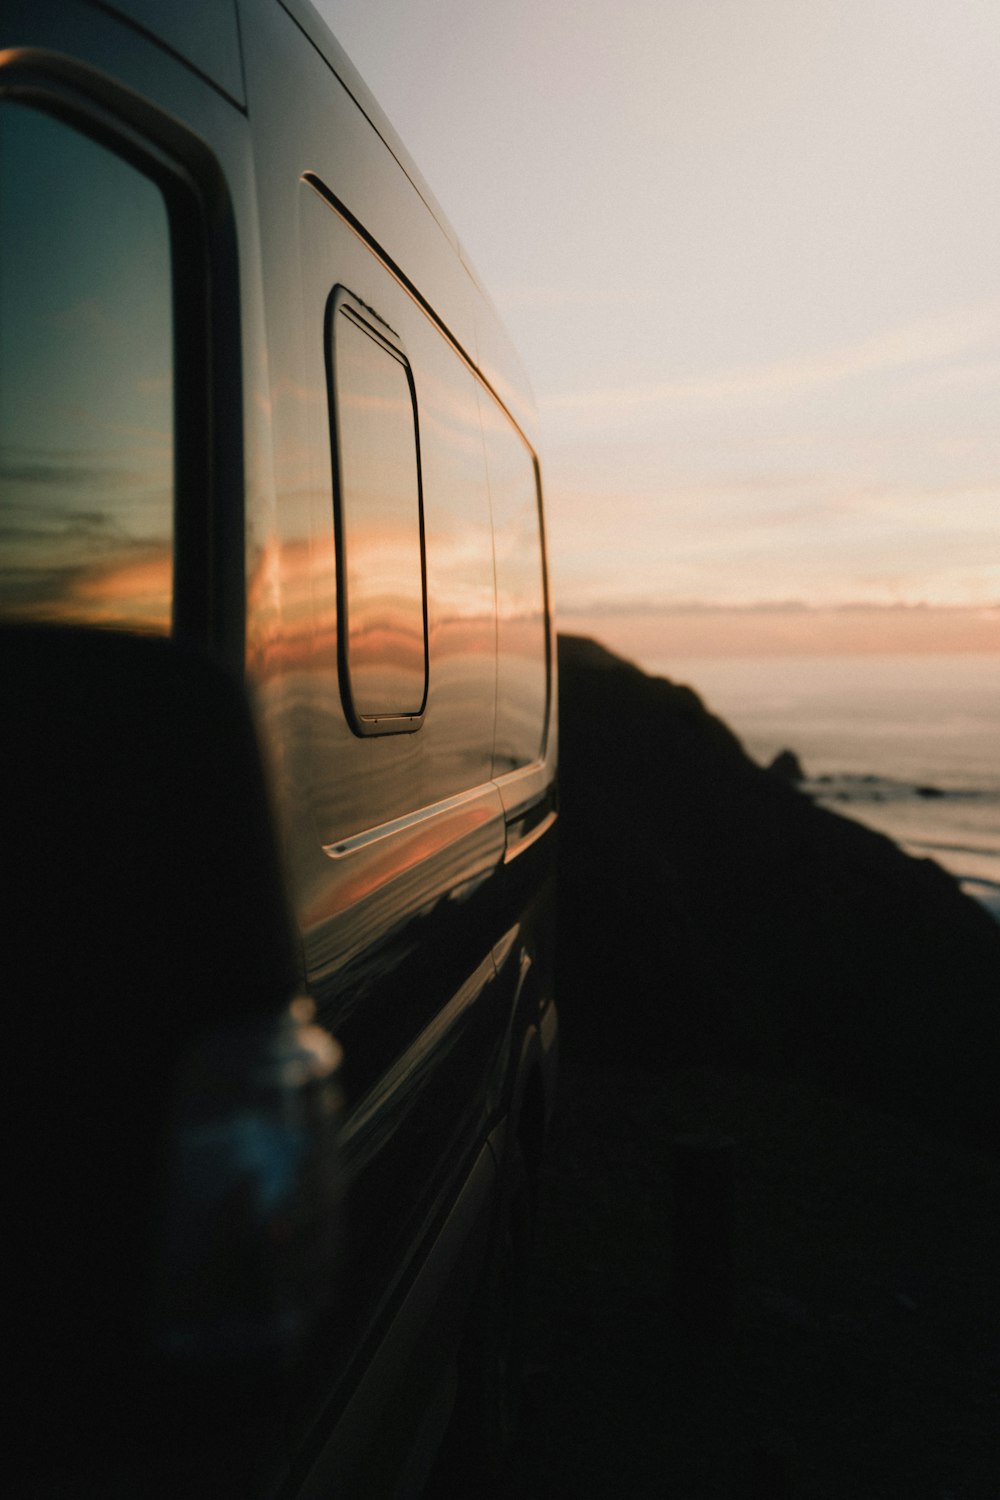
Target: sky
749	251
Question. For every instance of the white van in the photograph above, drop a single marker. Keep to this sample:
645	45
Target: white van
280	756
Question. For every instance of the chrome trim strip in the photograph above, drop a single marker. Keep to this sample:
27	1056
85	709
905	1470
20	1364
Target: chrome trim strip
357	841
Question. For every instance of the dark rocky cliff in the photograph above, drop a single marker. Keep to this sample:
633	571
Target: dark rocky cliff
710	912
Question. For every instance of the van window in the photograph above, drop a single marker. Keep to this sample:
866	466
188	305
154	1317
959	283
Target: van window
86	382
379	527
522	636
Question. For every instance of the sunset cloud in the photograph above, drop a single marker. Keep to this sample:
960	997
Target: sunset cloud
748	254
789	628
926	341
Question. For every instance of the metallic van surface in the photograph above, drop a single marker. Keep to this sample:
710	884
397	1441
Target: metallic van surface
205	35
419	865
397	852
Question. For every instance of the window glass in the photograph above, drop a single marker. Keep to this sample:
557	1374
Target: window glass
86	382
522	659
380	550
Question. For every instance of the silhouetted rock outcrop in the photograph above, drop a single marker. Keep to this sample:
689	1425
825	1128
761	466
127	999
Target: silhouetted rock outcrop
787	765
709	912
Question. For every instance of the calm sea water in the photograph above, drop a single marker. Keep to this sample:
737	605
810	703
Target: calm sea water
883	733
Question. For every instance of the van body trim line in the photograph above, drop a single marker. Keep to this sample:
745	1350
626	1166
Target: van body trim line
531	837
332	201
358	841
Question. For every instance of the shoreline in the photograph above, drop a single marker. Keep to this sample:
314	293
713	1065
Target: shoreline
958	829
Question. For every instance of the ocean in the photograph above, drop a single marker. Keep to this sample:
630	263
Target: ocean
909	745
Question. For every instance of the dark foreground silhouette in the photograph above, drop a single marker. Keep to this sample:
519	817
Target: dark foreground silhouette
740	964
710	912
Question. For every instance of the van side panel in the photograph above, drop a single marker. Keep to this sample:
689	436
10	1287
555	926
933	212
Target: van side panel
450	754
418	855
396	841
206	35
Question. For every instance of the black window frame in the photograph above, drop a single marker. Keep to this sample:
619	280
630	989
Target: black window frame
343	302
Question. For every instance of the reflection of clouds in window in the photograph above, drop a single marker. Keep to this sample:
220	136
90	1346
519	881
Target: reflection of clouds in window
519	565
135	440
120	595
90	317
75	566
79	474
446	413
460	563
522	675
86	410
520	588
458	533
156	385
379	499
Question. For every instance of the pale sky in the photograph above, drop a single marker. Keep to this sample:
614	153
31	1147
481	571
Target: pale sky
749	251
